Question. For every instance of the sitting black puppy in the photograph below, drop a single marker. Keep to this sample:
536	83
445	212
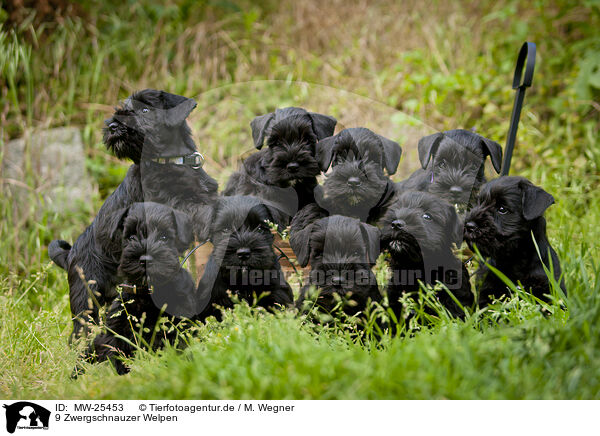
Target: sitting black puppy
285	172
341	251
151	130
507	212
243	260
357	186
418	231
154	283
453	165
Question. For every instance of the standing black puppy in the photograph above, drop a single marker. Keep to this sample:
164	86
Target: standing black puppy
285	172
508	213
357	186
418	231
243	260
341	252
151	130
154	283
453	165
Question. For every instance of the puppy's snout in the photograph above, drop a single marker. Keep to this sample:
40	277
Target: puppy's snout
243	253
456	190
293	167
398	224
354	182
336	281
145	259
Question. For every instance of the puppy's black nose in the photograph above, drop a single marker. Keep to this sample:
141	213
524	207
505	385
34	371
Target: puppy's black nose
336	281
243	253
470	226
354	182
145	259
113	126
293	167
398	224
456	190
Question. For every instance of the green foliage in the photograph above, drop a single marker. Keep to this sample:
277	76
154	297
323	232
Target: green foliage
400	68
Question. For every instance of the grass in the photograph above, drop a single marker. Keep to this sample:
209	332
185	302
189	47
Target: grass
403	70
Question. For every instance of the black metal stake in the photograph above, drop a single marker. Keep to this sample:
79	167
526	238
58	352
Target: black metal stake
527	52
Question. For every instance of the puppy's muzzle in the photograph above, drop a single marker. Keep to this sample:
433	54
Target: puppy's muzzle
243	253
293	167
354	182
398	224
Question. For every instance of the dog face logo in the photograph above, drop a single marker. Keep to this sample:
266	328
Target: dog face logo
147	123
26	415
455	163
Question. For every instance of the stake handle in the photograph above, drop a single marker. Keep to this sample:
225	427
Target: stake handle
527	52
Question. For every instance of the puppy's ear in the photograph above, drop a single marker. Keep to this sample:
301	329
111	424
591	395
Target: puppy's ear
455	226
179	113
325	152
259	127
203	219
428	146
183	227
494	150
534	200
323	125
301	228
116	221
300	244
371	236
391	154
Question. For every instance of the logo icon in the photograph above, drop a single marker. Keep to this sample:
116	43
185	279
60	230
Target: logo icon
26	415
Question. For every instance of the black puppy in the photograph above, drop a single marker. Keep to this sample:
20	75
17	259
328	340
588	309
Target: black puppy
341	251
285	172
507	212
154	283
243	260
453	165
151	130
419	230
357	186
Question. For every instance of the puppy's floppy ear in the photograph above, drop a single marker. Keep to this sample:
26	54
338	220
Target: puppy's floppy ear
116	221
300	244
494	150
183	227
371	236
203	220
391	154
534	200
259	127
177	114
323	125
325	152
455	226
428	146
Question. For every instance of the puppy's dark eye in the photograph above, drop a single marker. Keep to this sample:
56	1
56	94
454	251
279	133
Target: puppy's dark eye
426	217
502	210
131	237
145	110
164	237
442	164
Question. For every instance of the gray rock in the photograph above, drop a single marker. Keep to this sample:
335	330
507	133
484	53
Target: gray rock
51	164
